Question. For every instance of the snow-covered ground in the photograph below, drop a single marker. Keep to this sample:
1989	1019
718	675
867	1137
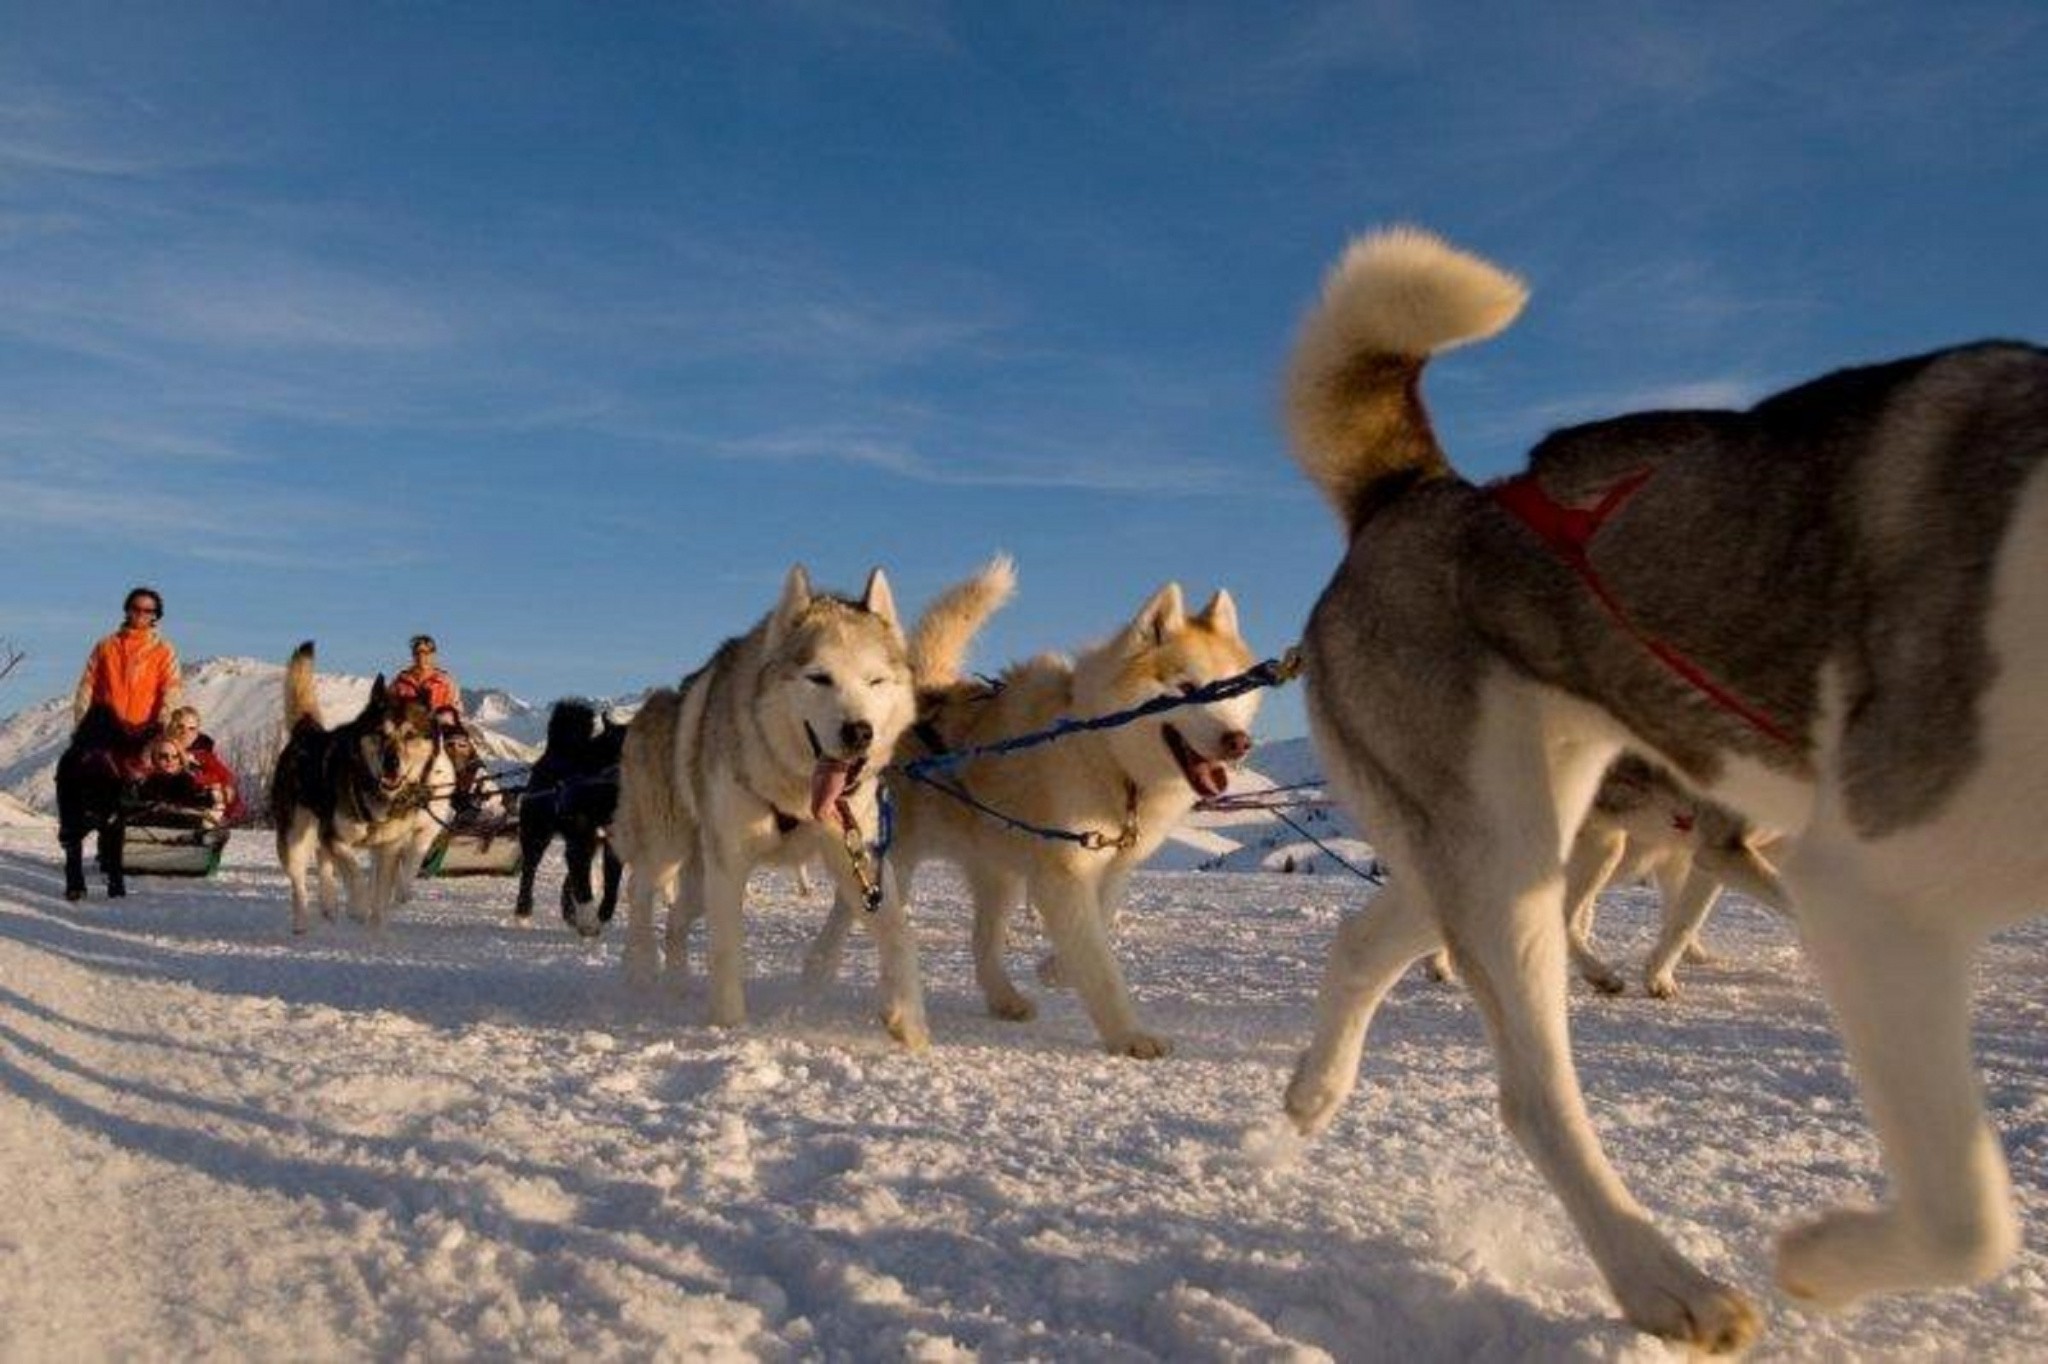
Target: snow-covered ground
460	1140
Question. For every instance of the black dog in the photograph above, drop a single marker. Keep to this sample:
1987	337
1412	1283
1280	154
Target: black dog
95	777
573	791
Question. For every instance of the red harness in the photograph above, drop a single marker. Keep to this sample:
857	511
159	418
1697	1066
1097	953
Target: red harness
1568	533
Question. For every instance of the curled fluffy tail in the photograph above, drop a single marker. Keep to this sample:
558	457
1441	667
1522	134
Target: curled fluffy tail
938	646
301	701
1354	400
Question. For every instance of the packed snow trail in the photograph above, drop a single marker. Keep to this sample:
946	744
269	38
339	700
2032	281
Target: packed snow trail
462	1140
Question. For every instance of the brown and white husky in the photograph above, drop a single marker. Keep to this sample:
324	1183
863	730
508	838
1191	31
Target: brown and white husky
1130	784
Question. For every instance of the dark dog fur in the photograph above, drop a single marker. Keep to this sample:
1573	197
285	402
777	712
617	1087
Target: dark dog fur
573	792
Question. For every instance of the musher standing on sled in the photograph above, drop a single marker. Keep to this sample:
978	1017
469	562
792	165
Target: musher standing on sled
134	671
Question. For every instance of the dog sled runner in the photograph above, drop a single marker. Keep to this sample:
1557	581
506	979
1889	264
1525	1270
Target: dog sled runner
157	850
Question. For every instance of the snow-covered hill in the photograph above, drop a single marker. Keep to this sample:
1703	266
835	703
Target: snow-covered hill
241	704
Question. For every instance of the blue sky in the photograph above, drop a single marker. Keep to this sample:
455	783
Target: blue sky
561	331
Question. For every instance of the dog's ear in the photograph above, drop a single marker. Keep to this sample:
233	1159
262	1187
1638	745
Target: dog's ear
1220	615
377	694
879	600
1162	617
796	599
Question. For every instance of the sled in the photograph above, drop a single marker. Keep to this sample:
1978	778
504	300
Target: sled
462	850
155	850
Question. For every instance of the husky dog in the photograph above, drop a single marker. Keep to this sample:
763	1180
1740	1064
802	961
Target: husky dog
771	752
1829	612
1642	823
573	791
1130	784
360	785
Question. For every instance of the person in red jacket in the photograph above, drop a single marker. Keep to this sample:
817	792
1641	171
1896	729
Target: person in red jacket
204	762
425	681
134	671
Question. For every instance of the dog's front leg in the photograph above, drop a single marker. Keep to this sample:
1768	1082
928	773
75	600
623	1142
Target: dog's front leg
1374	946
724	884
1899	984
1067	902
1596	855
686	906
1110	896
901	987
821	959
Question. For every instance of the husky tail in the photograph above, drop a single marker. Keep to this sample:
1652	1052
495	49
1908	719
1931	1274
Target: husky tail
301	701
938	646
1354	392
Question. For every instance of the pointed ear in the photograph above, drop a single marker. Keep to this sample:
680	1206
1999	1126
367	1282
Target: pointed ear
879	600
1220	614
377	689
796	599
1161	617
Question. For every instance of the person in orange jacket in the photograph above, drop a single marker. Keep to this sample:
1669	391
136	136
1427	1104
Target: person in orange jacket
134	671
425	681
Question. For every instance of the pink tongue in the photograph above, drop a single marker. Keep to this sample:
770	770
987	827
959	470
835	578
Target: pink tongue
828	784
1212	779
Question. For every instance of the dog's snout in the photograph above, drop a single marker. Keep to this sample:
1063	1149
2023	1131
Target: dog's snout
1236	743
856	735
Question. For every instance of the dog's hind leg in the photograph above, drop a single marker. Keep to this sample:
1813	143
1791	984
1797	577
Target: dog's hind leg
1374	946
641	956
299	852
685	895
1067	903
1499	891
822	957
1898	981
996	894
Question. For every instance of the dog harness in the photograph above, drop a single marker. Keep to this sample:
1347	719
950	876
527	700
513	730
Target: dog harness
1568	532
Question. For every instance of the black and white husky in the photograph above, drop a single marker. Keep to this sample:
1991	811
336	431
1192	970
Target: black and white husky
363	784
1829	612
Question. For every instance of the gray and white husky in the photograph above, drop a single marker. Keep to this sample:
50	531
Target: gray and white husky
771	752
361	785
1828	612
1129	784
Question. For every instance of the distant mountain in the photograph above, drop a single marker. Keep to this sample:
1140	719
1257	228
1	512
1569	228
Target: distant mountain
241	704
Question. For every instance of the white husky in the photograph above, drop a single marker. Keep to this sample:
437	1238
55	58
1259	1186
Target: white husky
1829	612
770	753
1128	786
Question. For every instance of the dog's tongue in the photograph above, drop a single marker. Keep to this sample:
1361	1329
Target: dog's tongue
828	784
1210	779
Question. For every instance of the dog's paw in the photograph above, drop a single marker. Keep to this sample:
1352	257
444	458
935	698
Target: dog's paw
908	1030
1853	1252
642	963
1014	1007
1695	955
1662	1293
1606	981
1139	1046
1440	969
1312	1099
1662	985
